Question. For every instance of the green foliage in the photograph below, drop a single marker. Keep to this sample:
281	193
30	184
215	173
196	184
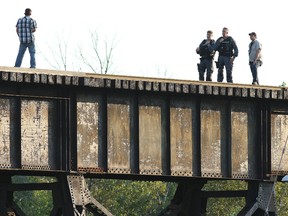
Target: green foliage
225	206
137	198
34	202
118	196
283	84
281	190
232	206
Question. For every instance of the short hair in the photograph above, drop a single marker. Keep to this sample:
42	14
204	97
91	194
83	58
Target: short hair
225	28
209	31
253	33
28	11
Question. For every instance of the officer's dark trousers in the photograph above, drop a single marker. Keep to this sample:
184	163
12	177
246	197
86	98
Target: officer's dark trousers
206	64
225	61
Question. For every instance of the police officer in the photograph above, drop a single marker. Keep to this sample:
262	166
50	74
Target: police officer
205	50
228	51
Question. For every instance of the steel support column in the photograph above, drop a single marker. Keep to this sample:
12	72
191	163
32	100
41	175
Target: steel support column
190	200
82	200
187	200
260	200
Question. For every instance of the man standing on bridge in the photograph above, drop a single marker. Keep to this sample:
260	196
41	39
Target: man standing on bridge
205	50
228	51
254	57
25	29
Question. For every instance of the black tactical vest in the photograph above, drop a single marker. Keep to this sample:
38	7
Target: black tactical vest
226	47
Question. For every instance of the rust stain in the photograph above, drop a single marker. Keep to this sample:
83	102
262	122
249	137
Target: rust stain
118	136
87	134
150	137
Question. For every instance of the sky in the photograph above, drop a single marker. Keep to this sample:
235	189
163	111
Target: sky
152	38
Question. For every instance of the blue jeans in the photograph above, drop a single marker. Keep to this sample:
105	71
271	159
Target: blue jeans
254	70
225	61
21	52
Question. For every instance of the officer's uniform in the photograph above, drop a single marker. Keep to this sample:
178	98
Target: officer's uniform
206	61
226	48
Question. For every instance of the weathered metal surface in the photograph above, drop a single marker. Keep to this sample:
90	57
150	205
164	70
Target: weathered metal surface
243	128
5	134
213	127
118	118
267	197
82	199
150	138
38	141
140	125
279	145
141	128
9	74
87	132
79	191
181	124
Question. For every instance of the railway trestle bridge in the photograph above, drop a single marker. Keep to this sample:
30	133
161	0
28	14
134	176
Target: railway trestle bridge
75	125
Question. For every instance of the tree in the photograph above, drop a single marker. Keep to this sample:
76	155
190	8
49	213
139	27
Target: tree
95	56
59	51
34	202
225	206
101	59
133	197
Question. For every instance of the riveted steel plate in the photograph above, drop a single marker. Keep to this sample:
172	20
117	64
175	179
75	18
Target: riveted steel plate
243	127
5	131
279	134
213	138
87	131
118	136
38	129
150	138
181	118
267	197
80	194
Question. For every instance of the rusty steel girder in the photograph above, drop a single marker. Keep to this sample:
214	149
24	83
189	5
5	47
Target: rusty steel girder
135	127
75	125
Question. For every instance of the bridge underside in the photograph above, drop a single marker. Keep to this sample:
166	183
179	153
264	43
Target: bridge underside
71	196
